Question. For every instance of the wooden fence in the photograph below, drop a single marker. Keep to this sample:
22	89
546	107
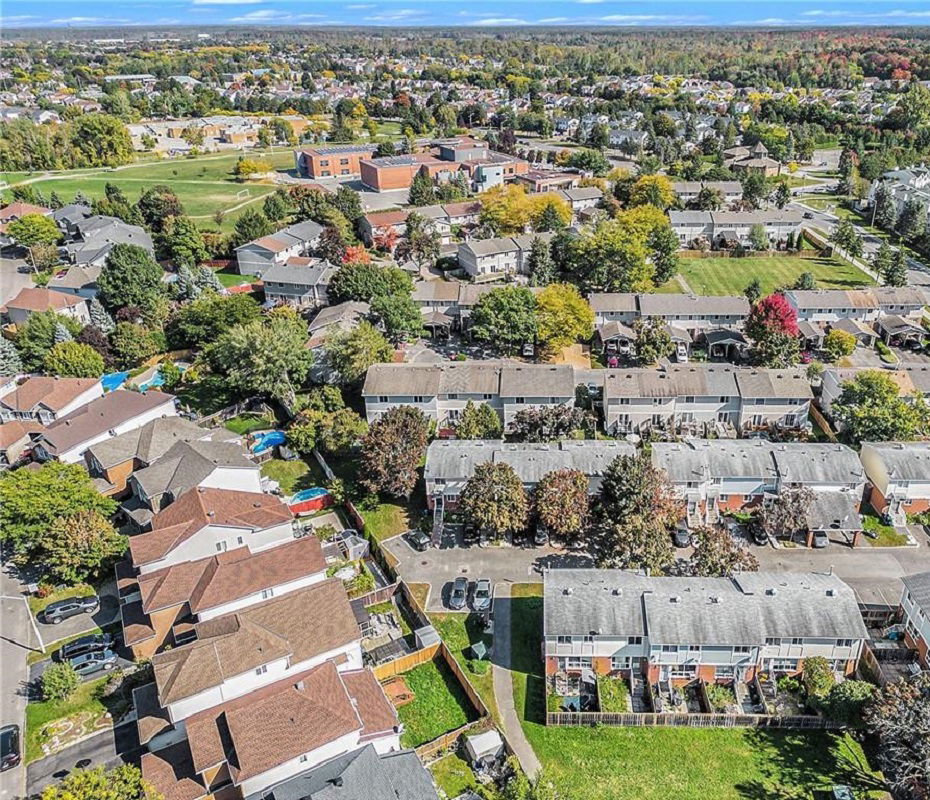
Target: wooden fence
405	663
821	420
377	596
462	678
801	722
250	406
447	741
690	255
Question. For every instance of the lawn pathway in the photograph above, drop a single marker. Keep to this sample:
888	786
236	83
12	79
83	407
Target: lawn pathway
503	682
683	283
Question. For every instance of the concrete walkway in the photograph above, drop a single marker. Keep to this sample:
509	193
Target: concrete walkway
503	683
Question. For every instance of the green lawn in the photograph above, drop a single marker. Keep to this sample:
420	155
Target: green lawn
246	423
684	763
733	275
887	535
459	632
84	707
228	279
204	184
453	775
440	704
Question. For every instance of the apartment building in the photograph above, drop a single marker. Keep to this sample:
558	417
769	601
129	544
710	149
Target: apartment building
441	391
451	462
44	399
676	397
728	228
507	255
678	630
899	473
258	256
333	160
541	180
915	604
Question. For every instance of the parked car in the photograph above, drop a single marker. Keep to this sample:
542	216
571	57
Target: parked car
89	663
808	215
681	537
470	534
758	533
541	536
481	599
94	643
820	540
418	540
55	612
10	755
458	597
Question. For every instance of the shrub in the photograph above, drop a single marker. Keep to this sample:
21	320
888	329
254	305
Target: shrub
325	532
817	678
59	682
719	697
786	683
846	701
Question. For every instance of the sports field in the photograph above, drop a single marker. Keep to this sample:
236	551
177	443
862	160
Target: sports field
204	184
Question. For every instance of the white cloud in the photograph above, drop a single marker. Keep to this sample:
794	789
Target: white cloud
588	2
399	15
87	21
892	14
550	20
496	21
275	15
636	18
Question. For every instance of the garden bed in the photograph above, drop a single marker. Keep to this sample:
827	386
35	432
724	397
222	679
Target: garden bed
613	694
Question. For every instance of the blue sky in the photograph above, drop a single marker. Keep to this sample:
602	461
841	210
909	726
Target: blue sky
474	13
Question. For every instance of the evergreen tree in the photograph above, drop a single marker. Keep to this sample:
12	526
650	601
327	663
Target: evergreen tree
549	219
912	220
99	317
422	192
187	288
206	278
10	362
895	274
886	214
541	265
62	334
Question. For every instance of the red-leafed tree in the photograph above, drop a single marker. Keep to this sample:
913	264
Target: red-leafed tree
385	238
356	254
773	328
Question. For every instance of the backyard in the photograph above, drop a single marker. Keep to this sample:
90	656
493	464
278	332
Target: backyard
733	275
439	706
453	775
460	632
685	763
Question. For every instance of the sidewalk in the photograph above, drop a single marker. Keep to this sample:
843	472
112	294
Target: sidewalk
503	683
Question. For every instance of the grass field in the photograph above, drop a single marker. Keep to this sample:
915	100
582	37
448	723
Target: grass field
204	185
440	704
291	475
453	775
685	763
460	632
733	275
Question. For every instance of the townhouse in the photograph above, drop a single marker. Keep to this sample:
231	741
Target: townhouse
451	462
721	229
16	441
297	240
262	695
210	553
332	160
687	191
299	282
713	476
899	474
92	237
498	257
44	399
540	180
204	463
33	300
442	219
864	305
441	391
680	629
68	437
680	397
112	461
912	381
915	605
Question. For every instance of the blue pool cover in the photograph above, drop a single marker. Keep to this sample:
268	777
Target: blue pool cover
265	441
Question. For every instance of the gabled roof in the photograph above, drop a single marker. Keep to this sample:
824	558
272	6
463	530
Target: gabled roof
918	586
211	582
199	507
150	441
299	625
100	416
33	298
52	393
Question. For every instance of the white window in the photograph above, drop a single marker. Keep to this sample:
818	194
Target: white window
634	639
683	670
694	648
773	641
576	662
724	672
303	758
262	669
669	648
266	593
844	642
620	662
519	400
740	649
797	640
221	547
563	639
587	639
418	398
382	398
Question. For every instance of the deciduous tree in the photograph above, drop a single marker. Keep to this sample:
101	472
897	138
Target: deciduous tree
561	502
838	343
400	316
505	317
772	326
785	516
124	782
59	681
37	337
494	499
392	451
478	421
653	341
157	205
73	360
550	423
78	546
871	409
718	555
563	317
351	353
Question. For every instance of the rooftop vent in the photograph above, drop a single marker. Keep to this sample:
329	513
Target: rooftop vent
831	592
617	592
674	599
568	590
771	591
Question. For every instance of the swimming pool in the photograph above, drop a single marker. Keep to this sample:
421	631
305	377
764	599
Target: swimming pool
113	380
308	494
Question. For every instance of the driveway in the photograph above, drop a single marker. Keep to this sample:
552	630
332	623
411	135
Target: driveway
36	670
119	745
874	573
439	567
82	623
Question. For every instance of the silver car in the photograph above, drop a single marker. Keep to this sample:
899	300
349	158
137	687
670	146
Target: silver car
481	599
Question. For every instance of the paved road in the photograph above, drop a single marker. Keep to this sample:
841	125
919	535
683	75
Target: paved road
440	567
503	682
108	748
11	279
